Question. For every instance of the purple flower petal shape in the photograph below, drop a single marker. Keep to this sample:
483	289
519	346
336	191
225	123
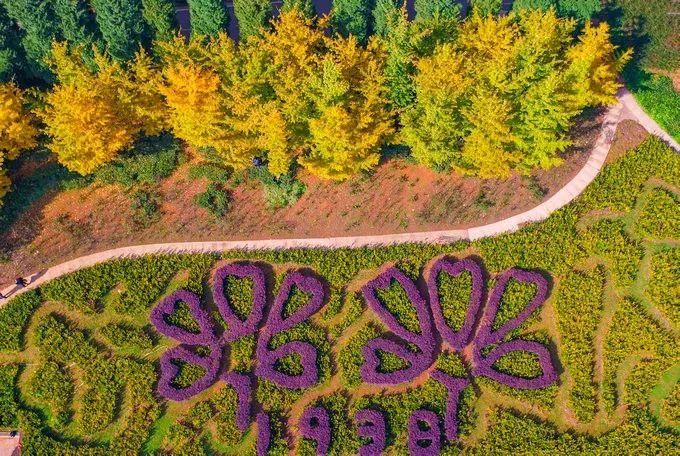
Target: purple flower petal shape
418	437
425	342
371	425
243	386
485	335
383	281
276	324
237	327
169	371
460	338
369	370
266	362
315	424
454	386
307	284
166	307
483	366
263	433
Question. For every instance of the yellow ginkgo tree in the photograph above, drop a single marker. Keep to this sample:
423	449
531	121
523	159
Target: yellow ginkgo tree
326	98
93	114
18	130
352	119
208	99
503	95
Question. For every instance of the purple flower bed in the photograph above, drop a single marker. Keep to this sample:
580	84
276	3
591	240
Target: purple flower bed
263	433
166	307
266	357
487	336
243	386
454	387
169	371
425	342
371	425
456	339
315	424
424	442
237	327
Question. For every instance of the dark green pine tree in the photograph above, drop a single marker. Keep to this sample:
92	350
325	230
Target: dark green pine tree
486	7
160	16
352	17
120	25
384	14
400	63
10	54
582	10
208	17
252	16
431	9
38	23
543	5
75	21
306	6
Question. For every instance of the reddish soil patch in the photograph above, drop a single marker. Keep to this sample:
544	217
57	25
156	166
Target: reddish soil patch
399	197
628	136
673	74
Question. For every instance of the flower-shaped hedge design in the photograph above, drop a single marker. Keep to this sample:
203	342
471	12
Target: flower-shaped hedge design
474	336
254	324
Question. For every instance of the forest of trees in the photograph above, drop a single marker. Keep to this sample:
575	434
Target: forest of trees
483	96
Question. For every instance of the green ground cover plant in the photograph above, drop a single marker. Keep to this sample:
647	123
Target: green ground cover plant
580	309
609	323
215	199
658	97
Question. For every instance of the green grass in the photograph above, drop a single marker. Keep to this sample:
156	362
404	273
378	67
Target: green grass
658	98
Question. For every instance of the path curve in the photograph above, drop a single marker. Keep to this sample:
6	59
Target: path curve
565	195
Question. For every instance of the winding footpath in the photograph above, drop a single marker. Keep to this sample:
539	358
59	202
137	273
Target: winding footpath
626	108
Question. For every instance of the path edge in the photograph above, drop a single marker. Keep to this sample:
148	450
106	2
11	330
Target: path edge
541	212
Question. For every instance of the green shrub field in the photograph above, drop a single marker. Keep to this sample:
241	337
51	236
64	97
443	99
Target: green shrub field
79	357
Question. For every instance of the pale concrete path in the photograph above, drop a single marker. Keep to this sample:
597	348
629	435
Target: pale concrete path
626	106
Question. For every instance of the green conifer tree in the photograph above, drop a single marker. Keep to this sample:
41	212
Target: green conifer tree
120	26
400	67
160	16
429	9
208	17
582	10
352	17
252	16
486	7
75	21
384	14
9	51
37	21
542	5
306	6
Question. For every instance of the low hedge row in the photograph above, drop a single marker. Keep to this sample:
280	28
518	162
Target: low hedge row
127	336
8	404
52	385
14	317
659	216
579	306
663	289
